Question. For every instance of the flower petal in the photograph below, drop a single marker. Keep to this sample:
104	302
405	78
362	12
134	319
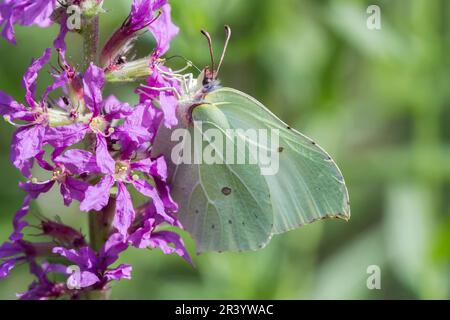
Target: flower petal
123	271
149	191
73	189
35	189
96	197
18	223
164	30
29	80
8	265
78	161
104	160
114	109
124	210
26	144
93	82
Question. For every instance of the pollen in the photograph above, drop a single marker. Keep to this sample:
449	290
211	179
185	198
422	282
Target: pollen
59	174
122	170
98	124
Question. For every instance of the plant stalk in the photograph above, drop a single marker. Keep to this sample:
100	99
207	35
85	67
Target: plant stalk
100	223
90	33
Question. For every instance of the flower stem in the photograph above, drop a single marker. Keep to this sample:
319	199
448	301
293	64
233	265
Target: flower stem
90	35
100	224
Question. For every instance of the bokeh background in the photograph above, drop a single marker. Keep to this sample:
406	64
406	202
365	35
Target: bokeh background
378	101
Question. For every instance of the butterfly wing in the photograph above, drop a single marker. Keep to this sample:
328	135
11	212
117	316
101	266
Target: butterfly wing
308	185
225	207
229	207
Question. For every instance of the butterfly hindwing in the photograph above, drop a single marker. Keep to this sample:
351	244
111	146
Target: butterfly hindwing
231	207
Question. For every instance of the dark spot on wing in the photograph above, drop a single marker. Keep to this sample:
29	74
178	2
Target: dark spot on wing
226	191
280	149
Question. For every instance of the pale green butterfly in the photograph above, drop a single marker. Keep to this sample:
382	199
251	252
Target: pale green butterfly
233	207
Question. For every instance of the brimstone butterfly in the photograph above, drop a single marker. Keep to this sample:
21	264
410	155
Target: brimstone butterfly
233	207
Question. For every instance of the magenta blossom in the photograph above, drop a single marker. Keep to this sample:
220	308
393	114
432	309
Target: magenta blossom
94	268
151	14
93	149
25	13
122	173
66	166
144	233
43	288
18	250
37	117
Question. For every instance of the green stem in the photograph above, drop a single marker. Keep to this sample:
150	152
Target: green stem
100	224
90	35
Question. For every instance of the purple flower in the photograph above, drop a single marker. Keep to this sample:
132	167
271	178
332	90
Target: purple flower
36	118
115	153
144	233
94	268
101	114
165	89
25	13
72	162
18	250
29	138
163	29
144	13
121	173
43	288
145	236
138	130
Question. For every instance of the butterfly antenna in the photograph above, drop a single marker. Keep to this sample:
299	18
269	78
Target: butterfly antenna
211	52
227	40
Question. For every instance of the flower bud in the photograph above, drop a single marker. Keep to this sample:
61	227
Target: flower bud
130	71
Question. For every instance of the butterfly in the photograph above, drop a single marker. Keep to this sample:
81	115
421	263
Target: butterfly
229	206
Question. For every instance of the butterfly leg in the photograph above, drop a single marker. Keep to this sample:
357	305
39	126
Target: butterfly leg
172	89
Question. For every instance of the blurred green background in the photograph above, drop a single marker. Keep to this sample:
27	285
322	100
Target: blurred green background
378	101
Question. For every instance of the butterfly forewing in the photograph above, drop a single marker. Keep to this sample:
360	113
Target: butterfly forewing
308	185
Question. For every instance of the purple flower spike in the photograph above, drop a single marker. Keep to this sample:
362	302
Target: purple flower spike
93	148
